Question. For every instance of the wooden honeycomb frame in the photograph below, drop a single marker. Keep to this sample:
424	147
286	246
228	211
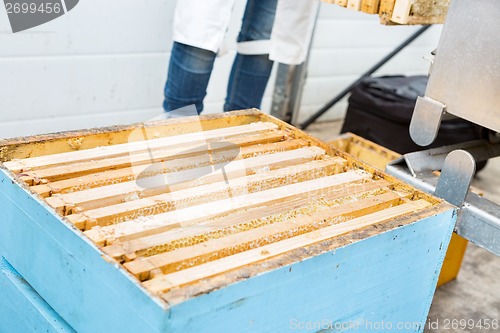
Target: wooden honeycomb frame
250	192
406	12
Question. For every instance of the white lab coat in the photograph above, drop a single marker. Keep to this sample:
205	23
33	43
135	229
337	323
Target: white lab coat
203	24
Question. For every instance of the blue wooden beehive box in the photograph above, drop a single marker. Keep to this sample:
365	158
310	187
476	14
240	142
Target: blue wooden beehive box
222	223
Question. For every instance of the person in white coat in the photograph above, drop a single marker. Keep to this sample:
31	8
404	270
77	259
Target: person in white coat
271	30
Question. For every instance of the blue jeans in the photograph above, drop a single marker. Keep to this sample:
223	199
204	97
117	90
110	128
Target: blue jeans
190	67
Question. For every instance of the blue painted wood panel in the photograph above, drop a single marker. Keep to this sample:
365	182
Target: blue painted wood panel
68	271
22	309
387	278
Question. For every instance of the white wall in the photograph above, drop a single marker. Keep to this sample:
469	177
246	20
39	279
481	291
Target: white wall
105	62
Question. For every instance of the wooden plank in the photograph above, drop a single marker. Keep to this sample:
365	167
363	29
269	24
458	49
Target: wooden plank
428	12
174	181
372	146
188	216
424	20
212	151
164	283
216	162
125	149
401	12
191	256
365	150
370	6
181	199
68	141
135	205
342	3
142	198
233	223
369	156
354	5
385	11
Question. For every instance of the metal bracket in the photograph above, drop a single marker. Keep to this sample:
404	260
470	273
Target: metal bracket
453	183
426	120
478	218
421	162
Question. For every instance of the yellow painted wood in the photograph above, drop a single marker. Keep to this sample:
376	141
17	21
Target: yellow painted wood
453	259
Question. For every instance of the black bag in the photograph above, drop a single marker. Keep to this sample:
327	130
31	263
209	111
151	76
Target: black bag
380	110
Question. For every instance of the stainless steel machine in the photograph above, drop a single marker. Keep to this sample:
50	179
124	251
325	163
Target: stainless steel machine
464	82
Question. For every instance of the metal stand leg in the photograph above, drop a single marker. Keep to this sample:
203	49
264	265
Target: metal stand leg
288	91
290	80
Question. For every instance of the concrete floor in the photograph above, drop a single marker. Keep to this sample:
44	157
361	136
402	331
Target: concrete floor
475	295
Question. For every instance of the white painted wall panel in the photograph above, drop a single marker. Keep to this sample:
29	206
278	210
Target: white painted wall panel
73	122
96	27
80	85
335	62
345	33
105	62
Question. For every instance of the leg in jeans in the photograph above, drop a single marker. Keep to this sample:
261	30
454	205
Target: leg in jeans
250	73
188	74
